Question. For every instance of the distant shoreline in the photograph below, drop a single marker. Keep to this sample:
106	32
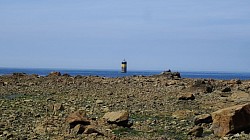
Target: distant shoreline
147	70
117	73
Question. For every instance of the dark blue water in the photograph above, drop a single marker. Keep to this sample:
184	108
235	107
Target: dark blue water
117	73
217	75
103	73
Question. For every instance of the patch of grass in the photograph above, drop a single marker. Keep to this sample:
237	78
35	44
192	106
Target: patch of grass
23	96
126	131
177	135
140	117
15	96
158	130
207	133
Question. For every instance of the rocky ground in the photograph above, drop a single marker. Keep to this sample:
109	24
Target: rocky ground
161	107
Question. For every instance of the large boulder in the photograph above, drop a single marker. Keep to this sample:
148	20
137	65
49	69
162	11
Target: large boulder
231	120
118	116
76	118
121	118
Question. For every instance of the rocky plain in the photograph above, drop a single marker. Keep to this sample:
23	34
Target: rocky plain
161	107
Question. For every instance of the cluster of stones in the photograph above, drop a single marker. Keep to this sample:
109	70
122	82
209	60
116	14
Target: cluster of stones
80	124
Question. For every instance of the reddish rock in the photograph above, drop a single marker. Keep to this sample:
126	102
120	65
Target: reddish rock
76	118
231	120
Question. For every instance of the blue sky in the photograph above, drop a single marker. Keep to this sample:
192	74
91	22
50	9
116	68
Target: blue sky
181	35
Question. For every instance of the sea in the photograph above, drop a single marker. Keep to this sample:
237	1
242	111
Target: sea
117	73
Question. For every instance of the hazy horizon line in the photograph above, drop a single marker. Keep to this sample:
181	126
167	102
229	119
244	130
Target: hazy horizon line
103	69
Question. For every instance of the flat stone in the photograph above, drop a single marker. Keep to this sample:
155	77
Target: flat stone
116	116
120	118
